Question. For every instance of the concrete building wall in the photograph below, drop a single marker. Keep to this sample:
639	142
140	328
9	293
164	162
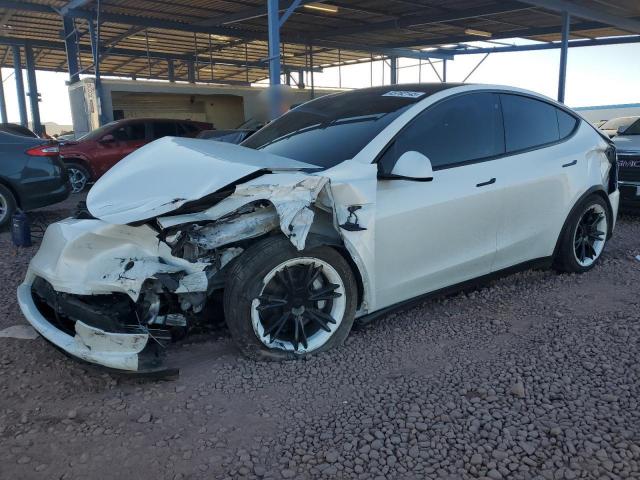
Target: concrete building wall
224	106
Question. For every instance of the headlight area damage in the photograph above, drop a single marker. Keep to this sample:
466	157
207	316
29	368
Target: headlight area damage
116	294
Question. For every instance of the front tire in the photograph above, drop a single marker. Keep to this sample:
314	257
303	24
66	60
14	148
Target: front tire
280	303
7	206
584	237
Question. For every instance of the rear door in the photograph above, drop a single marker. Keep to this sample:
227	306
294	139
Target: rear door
431	235
542	173
162	129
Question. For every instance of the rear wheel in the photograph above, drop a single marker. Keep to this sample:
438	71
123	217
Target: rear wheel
585	236
7	206
280	303
79	177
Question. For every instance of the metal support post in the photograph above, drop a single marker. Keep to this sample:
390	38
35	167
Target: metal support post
564	50
22	105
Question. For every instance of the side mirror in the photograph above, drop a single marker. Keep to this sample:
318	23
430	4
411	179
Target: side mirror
620	130
413	166
108	139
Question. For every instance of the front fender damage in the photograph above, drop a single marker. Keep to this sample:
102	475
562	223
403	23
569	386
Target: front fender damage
171	270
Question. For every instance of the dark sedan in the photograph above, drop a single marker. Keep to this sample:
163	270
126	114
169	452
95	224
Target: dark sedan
31	175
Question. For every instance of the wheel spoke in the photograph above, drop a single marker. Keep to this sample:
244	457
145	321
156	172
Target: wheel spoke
315	318
325	293
312	274
303	335
270	301
324	316
275	329
583	251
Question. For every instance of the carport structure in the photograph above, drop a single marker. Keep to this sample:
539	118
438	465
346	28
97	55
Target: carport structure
241	42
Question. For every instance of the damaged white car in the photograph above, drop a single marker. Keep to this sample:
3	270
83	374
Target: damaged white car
346	206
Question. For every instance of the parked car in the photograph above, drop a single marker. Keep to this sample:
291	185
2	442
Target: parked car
92	155
616	125
628	146
228	136
16	129
345	207
31	175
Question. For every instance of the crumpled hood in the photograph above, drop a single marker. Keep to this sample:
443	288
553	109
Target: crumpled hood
163	175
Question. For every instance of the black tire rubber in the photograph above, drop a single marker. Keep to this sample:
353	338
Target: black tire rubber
11	206
84	170
565	260
244	284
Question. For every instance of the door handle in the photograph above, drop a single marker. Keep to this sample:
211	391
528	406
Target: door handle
570	164
488	182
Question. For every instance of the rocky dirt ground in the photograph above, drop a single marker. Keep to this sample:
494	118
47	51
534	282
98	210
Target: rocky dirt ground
534	376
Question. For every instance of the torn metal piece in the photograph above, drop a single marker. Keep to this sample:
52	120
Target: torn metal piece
245	226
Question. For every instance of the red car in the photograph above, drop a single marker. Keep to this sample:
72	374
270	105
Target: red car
89	157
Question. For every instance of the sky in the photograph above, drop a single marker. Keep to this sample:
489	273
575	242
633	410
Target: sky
603	75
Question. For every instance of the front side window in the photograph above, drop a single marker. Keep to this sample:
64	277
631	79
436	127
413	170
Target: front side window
458	130
332	129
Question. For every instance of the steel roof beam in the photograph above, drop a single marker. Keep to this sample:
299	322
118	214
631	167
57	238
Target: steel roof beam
409	21
248	14
520	33
587	13
549	46
126	52
228	31
74	4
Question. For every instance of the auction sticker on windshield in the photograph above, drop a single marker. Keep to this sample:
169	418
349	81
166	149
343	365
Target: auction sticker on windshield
405	94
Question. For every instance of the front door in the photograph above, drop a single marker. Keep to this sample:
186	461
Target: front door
430	235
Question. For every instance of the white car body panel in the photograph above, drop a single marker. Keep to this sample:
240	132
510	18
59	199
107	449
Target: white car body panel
450	216
413	237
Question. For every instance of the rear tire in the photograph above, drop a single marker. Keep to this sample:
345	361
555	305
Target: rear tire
281	304
584	237
8	206
79	176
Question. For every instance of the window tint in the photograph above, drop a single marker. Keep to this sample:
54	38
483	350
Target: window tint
164	129
458	130
187	129
528	123
566	123
130	132
633	129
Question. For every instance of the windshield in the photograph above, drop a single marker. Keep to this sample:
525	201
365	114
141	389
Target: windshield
616	123
334	128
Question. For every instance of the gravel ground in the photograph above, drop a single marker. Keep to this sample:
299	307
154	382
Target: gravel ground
534	376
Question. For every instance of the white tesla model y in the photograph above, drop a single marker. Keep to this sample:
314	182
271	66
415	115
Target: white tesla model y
348	205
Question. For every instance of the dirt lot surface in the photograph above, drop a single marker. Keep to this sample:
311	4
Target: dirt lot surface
535	376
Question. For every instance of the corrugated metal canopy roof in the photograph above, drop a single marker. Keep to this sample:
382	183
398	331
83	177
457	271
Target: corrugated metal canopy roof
227	39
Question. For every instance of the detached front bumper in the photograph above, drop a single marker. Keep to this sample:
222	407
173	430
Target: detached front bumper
121	351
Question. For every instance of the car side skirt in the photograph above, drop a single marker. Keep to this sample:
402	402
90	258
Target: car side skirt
539	263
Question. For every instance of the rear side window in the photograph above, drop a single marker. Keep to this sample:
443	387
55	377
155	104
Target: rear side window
129	132
528	123
187	129
164	129
566	123
458	130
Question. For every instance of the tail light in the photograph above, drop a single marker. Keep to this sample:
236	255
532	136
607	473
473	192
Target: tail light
44	151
